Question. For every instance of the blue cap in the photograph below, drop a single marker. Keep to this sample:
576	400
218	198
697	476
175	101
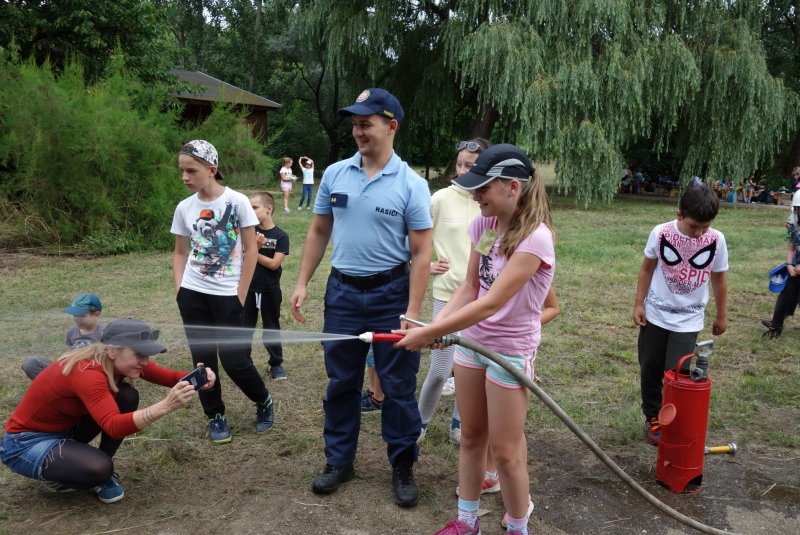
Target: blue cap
84	303
778	278
375	100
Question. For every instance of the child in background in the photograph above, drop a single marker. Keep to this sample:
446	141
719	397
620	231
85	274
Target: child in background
265	289
787	300
85	310
681	257
308	181
287	178
499	305
211	284
452	210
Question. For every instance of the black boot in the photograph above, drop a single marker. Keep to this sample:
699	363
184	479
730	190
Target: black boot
333	476
774	330
406	493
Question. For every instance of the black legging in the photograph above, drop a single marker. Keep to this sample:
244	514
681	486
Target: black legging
786	302
74	463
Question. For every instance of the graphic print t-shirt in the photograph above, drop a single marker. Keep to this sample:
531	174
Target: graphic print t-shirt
287	173
678	293
308	176
265	279
214	228
516	328
76	340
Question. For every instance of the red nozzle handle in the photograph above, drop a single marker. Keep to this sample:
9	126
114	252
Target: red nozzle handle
386	337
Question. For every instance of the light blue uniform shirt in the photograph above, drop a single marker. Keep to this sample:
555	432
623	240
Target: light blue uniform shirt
371	218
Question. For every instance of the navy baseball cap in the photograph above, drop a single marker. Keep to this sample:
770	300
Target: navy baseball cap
134	334
375	100
84	303
498	161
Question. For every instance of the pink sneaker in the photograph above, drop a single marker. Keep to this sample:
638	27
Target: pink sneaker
457	527
504	522
490	486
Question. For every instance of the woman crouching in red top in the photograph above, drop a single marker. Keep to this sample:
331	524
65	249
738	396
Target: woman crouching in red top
82	394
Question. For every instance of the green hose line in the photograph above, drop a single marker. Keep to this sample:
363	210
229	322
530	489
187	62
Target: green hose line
570	423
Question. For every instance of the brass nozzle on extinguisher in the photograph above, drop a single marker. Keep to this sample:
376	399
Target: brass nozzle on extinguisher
730	448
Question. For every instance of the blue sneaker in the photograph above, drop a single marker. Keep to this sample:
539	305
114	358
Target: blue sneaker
218	429
370	404
653	428
265	416
110	491
277	373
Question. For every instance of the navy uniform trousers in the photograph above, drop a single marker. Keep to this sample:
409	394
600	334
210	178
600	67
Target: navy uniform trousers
350	310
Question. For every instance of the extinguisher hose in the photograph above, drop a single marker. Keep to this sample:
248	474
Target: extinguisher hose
570	423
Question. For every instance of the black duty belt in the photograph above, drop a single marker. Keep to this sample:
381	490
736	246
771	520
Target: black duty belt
372	281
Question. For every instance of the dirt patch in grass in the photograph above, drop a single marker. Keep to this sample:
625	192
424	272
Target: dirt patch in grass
176	482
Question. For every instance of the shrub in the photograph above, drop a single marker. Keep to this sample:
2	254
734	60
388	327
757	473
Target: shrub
97	164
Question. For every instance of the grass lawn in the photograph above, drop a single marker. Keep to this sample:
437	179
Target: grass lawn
588	364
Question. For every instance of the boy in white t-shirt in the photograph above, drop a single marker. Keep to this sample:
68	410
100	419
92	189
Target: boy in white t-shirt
308	181
681	258
211	282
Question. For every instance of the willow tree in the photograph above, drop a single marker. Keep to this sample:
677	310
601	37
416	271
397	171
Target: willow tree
582	80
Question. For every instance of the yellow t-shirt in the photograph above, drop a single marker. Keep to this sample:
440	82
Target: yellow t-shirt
453	210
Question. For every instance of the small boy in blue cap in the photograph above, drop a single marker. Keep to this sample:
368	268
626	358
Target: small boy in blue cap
85	310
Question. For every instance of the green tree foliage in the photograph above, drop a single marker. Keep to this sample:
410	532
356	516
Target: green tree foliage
93	30
82	157
780	33
96	165
581	81
241	157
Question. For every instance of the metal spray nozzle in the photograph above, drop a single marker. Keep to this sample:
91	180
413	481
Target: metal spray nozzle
703	350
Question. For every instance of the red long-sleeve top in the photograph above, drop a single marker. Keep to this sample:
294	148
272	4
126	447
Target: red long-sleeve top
56	402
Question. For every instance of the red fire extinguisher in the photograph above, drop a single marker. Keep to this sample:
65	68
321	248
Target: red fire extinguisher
684	421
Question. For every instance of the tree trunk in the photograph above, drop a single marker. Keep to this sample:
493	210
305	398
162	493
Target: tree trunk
255	48
794	156
482	127
181	44
428	156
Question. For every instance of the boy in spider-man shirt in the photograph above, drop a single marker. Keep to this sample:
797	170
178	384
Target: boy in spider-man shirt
681	258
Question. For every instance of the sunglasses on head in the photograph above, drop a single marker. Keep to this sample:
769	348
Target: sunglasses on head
470	145
143	336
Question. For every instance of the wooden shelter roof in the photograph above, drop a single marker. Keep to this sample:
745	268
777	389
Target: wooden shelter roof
219	91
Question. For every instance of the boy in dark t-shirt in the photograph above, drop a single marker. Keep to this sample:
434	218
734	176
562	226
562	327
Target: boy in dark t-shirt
85	310
265	288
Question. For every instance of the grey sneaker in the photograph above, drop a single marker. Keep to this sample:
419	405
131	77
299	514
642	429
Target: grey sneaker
55	486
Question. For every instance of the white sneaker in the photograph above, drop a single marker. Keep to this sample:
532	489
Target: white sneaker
504	522
455	436
299	207
449	387
287	209
421	435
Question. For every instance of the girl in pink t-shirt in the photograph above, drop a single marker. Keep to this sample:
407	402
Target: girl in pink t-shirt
498	305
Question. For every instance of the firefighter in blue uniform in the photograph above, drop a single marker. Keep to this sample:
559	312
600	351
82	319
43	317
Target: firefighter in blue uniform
378	212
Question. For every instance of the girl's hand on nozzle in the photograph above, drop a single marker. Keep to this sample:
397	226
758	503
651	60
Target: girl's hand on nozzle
414	339
210	376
